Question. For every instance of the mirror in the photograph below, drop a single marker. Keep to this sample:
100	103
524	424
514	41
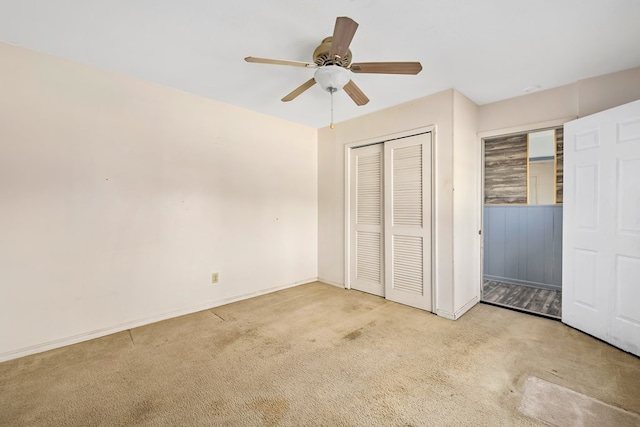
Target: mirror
541	167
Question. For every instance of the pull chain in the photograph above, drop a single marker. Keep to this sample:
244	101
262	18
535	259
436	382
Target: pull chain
331	90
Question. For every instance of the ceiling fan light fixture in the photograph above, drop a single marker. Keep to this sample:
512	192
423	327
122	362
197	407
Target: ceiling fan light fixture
332	78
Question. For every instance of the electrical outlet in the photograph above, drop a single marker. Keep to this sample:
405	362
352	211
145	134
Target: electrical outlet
214	277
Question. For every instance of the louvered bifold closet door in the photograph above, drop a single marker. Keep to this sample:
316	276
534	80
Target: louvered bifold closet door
408	220
366	220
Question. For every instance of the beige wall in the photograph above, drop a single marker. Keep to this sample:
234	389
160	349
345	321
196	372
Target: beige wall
120	198
563	103
611	90
533	109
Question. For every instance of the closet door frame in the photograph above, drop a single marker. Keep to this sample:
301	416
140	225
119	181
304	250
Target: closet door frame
347	198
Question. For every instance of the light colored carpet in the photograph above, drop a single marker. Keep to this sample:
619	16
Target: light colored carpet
315	355
560	406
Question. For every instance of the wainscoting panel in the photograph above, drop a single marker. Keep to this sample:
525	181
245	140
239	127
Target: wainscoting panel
523	245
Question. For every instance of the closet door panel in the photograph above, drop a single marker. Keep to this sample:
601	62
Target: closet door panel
366	257
407	224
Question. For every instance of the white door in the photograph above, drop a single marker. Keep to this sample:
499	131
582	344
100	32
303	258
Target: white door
408	220
601	240
366	219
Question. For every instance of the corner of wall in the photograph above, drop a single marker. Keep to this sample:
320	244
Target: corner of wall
466	198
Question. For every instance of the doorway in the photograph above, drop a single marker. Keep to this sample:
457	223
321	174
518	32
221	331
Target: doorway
522	221
389	199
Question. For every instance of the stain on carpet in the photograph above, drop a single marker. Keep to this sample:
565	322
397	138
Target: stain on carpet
353	335
141	410
219	407
271	410
356	333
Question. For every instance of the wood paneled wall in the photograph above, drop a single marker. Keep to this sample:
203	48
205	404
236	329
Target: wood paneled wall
505	170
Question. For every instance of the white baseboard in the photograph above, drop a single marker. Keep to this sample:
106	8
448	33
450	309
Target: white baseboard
329	282
473	301
454	316
446	314
50	345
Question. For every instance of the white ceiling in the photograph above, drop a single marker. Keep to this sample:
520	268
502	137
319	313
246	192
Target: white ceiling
487	49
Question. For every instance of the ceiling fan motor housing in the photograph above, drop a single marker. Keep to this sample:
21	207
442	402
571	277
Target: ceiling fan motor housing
321	55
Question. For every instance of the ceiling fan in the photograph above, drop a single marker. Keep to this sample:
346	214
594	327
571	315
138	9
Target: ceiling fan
332	61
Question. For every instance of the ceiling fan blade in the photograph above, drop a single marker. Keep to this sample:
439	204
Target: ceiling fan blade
297	91
342	35
387	67
355	93
280	62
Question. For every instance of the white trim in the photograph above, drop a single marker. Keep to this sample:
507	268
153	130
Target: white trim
332	283
470	304
38	348
435	236
526	128
347	216
446	314
383	138
460	312
481	225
